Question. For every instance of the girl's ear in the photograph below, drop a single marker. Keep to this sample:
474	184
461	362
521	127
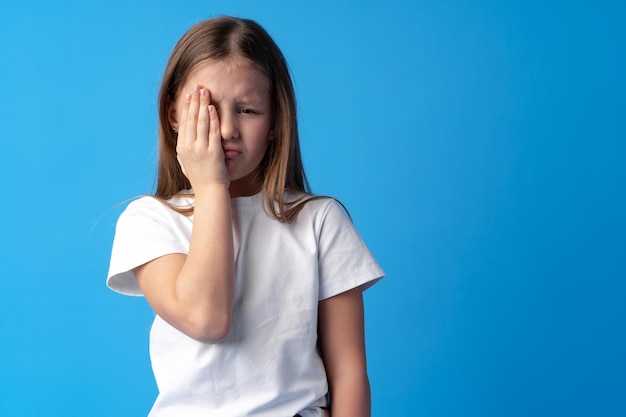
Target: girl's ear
172	117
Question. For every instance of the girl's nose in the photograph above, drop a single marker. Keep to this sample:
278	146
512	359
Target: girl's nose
228	125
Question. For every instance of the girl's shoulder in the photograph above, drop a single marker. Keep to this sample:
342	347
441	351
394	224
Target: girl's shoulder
321	202
152	206
324	208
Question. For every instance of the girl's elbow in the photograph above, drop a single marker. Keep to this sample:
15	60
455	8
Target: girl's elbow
210	330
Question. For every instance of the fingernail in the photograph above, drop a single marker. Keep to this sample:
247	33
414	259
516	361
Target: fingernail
196	88
187	98
203	93
211	108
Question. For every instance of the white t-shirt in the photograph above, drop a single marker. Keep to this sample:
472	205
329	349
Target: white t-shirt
269	364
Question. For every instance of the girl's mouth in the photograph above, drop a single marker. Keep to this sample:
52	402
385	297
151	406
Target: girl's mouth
230	152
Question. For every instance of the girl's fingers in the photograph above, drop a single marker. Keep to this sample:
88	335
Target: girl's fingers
182	122
192	115
215	134
202	137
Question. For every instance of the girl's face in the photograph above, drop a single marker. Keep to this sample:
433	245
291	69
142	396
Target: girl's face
241	95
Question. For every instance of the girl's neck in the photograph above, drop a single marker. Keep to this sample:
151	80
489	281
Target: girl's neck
249	185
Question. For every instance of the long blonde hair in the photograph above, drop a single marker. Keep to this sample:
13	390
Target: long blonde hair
281	169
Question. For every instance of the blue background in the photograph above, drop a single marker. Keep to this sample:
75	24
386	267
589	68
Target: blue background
479	145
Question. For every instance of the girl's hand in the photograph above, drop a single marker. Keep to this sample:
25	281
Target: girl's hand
199	147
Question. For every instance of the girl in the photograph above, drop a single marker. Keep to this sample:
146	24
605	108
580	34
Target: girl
256	284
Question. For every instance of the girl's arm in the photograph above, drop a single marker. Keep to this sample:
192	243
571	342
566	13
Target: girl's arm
342	339
194	293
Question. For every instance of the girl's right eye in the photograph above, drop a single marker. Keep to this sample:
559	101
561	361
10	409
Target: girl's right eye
247	111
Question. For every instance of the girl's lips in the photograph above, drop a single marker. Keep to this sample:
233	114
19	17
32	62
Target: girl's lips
231	152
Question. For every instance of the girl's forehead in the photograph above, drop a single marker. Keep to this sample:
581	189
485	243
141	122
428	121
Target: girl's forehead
232	70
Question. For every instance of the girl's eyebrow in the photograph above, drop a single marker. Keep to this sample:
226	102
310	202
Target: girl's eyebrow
249	102
243	99
250	97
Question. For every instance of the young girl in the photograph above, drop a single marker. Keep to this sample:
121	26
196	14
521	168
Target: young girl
256	284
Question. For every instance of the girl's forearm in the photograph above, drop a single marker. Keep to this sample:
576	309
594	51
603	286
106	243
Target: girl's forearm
206	281
350	397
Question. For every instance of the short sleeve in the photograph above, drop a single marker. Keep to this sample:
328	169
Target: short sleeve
344	260
143	233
